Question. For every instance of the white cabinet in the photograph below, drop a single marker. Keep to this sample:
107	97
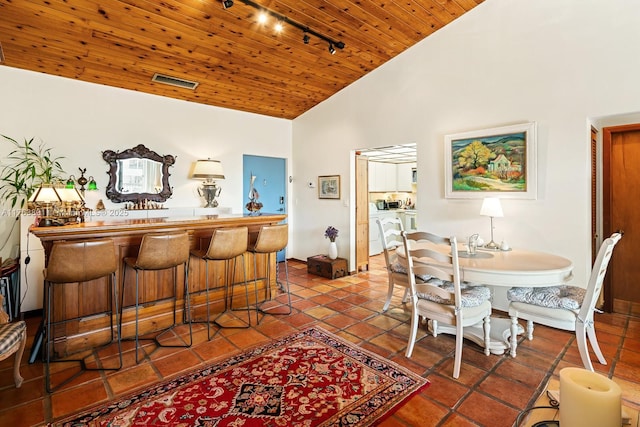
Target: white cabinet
375	246
386	177
382	177
375	241
372	173
390	175
410	221
404	176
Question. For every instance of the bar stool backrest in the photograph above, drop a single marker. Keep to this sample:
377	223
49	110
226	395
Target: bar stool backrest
227	243
272	238
81	261
159	251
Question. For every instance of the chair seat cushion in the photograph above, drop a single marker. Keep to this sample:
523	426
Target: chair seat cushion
396	267
447	313
10	334
472	295
563	296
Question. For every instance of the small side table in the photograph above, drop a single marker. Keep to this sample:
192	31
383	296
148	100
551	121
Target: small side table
322	265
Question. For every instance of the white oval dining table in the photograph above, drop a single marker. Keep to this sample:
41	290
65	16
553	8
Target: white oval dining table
516	267
512	268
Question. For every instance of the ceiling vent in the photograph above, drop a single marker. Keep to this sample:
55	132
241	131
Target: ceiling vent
174	81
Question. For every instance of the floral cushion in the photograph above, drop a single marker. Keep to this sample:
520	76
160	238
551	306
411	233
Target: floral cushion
396	267
472	295
567	297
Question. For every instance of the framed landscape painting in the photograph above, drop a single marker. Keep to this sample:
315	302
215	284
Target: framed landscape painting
329	187
498	162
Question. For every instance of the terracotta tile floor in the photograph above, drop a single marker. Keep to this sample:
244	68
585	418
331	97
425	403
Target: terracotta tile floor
491	391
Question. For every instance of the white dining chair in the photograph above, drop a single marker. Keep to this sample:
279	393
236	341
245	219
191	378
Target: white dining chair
390	229
564	307
443	298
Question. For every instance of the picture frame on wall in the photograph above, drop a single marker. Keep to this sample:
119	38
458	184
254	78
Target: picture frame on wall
497	162
329	187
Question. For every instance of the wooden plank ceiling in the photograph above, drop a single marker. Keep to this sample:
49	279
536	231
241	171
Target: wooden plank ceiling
238	63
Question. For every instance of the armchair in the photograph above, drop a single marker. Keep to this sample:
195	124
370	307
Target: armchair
13	337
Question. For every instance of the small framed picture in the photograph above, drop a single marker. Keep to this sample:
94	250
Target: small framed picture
329	187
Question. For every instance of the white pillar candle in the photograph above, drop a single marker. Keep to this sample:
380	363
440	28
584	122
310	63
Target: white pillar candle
589	399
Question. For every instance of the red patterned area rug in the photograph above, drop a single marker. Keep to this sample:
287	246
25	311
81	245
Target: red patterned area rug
308	379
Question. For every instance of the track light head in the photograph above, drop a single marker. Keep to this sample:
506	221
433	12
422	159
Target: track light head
264	14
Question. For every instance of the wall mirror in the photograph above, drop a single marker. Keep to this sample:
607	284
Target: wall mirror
138	174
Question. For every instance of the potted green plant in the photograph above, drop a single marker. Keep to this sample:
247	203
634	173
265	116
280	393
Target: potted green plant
25	168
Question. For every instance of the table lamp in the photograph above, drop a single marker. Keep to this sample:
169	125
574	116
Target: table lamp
491	207
45	197
209	170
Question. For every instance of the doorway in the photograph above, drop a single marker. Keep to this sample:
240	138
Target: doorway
388	172
270	182
621	212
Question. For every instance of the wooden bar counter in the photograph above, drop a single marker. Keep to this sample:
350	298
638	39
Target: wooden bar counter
84	300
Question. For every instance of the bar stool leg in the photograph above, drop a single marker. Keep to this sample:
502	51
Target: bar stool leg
137	339
230	275
49	341
275	309
156	338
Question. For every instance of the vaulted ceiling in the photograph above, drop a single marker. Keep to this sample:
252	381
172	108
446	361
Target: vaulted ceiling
237	63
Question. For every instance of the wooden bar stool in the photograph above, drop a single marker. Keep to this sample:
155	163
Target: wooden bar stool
227	244
271	239
161	251
74	262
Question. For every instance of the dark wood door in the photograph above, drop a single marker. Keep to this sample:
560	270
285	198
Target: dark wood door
621	211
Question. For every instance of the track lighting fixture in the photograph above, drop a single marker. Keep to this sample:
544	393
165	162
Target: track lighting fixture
283	19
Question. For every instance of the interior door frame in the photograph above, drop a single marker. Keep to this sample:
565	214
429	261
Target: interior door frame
607	227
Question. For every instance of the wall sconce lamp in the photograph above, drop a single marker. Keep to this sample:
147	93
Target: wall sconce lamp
209	170
491	207
281	20
82	181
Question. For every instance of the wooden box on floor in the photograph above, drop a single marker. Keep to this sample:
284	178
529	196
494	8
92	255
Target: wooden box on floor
322	265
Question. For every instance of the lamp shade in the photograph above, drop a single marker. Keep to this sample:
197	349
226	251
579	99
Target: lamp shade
207	169
46	193
69	195
491	207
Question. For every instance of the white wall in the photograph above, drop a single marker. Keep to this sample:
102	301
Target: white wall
561	64
505	62
80	120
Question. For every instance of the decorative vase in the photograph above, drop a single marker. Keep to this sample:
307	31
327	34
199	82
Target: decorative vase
333	250
254	205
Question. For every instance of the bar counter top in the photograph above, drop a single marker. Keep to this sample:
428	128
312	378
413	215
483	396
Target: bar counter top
114	226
